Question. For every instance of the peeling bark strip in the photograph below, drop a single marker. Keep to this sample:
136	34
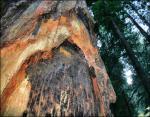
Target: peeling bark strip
72	81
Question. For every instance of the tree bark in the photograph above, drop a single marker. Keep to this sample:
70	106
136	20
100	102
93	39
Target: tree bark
144	78
50	64
127	104
139	28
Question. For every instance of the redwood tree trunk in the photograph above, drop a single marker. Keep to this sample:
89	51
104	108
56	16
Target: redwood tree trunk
50	64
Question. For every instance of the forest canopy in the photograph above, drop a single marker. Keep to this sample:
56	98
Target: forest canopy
123	34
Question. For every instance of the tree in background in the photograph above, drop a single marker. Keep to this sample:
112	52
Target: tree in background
111	16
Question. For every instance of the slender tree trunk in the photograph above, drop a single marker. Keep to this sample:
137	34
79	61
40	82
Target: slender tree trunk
141	17
139	28
141	73
127	104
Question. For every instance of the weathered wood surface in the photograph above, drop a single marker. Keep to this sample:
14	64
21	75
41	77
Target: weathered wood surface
49	62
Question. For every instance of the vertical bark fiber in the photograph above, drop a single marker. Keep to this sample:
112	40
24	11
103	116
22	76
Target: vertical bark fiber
50	65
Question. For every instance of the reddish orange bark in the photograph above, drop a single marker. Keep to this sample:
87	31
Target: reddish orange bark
29	49
20	76
99	97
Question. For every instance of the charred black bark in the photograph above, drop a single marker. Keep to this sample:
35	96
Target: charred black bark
62	77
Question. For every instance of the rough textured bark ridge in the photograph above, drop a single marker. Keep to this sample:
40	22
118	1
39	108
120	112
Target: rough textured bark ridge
49	62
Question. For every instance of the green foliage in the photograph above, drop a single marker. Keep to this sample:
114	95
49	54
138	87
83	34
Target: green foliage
111	51
2	6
